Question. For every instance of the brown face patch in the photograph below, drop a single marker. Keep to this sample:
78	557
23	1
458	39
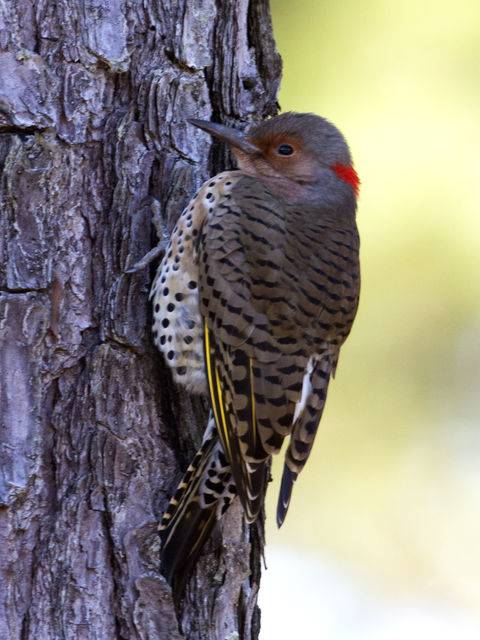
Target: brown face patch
299	165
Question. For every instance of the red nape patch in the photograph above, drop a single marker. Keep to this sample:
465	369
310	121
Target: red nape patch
349	175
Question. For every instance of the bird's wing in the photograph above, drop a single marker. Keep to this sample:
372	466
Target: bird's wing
308	413
234	408
273	293
250	359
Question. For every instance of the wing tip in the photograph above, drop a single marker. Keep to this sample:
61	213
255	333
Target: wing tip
288	480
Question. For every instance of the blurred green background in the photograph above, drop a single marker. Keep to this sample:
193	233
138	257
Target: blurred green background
391	494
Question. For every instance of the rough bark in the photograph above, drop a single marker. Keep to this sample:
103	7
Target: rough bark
94	435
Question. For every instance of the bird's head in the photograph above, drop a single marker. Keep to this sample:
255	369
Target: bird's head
302	157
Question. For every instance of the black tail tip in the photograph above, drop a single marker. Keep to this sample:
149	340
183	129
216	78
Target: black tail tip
182	541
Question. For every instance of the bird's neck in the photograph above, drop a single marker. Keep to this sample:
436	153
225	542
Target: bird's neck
331	204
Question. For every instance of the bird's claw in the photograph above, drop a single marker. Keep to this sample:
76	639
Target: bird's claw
148	258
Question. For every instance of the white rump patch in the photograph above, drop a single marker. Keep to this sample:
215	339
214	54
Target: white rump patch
307	388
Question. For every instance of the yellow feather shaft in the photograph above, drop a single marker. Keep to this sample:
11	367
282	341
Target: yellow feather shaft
252	399
221	425
209	372
224	422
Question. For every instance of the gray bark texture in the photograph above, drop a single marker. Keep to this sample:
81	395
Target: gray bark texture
94	435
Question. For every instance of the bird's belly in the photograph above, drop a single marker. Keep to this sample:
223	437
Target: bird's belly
177	323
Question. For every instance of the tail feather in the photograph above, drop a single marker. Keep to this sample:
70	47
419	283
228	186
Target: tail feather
182	544
202	497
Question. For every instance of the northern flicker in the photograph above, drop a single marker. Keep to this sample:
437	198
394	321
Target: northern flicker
256	293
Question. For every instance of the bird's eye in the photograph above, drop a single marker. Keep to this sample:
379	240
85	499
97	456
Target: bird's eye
285	150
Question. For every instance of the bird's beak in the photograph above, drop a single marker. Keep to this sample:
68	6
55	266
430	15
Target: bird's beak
233	137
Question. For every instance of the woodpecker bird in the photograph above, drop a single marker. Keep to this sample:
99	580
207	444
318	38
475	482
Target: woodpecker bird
256	293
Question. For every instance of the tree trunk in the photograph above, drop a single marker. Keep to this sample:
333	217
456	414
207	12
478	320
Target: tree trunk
94	95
